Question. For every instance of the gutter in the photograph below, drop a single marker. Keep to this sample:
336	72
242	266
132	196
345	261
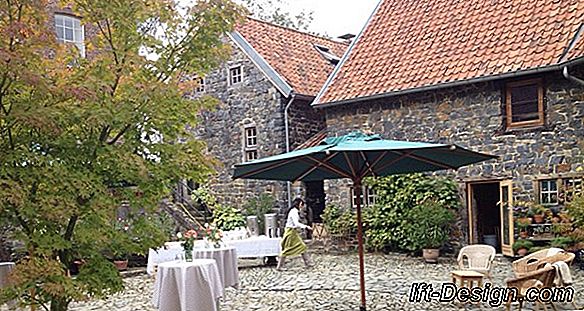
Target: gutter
287	132
555	67
571	78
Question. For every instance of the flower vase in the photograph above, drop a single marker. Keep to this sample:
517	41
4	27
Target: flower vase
189	255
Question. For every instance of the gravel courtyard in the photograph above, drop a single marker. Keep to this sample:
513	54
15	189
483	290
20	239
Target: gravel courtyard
331	285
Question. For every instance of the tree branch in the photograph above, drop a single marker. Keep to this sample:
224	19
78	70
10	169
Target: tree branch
120	134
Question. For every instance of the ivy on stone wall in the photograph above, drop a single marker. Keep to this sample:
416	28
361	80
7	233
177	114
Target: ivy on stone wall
387	223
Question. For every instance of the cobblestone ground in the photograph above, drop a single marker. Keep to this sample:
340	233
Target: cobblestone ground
331	285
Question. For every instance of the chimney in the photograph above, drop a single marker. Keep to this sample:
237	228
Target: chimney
347	38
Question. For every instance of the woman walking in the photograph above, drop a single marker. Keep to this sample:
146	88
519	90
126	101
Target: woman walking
292	244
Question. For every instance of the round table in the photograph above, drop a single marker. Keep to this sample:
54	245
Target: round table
226	258
5	268
193	286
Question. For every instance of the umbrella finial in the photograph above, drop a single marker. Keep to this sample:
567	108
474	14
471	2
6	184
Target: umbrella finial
452	147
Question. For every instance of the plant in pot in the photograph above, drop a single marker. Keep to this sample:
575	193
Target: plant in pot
523	224
430	228
521	247
538	213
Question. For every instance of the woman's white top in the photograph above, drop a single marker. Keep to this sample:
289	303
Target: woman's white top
293	220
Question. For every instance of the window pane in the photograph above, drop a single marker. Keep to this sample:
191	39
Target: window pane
60	33
68	34
544	186
78	35
524	103
68	22
553	185
58	20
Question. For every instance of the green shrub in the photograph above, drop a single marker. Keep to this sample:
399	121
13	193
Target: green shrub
227	218
426	226
339	220
562	242
388	223
264	204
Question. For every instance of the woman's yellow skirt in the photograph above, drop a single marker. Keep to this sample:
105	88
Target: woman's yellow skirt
292	244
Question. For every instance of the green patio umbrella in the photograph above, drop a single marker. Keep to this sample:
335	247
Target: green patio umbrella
357	156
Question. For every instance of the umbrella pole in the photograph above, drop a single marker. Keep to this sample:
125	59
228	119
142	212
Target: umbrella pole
357	190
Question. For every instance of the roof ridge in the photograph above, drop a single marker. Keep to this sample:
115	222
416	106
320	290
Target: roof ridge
296	30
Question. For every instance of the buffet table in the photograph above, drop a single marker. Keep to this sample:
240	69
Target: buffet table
193	286
259	246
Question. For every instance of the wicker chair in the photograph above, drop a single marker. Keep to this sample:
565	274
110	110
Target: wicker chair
477	257
539	259
542	278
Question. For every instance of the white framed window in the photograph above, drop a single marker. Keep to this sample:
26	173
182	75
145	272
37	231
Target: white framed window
250	143
200	85
570	188
251	155
251	137
368	197
235	75
548	192
70	30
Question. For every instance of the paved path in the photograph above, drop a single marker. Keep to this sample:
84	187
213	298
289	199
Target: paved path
331	285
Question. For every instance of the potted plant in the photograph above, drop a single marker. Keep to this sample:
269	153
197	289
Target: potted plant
523	224
121	260
430	228
521	247
538	212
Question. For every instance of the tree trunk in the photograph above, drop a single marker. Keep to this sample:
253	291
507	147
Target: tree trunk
59	304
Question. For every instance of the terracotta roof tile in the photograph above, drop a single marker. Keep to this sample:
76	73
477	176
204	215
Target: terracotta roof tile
292	54
416	43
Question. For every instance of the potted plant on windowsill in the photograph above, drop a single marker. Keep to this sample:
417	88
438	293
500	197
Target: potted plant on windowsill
538	213
430	228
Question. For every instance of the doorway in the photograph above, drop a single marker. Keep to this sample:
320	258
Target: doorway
485	197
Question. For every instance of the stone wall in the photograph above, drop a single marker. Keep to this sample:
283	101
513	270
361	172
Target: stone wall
304	121
253	101
472	116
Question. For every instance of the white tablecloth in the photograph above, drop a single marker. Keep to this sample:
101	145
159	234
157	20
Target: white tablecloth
5	268
170	252
192	286
226	258
259	246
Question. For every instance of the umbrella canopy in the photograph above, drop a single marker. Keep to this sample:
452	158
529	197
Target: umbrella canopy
356	156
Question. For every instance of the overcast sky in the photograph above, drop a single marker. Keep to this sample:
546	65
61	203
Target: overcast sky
335	17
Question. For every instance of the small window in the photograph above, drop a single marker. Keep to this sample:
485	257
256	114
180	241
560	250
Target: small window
70	30
235	75
368	197
548	192
524	103
327	54
200	85
251	155
251	139
571	187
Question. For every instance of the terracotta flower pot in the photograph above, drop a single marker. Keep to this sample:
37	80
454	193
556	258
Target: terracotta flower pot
431	254
538	219
121	265
522	252
523	234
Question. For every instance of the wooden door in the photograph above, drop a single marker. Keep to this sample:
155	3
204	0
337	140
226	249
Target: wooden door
506	209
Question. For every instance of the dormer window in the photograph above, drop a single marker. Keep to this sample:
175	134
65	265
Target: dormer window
327	54
70	30
524	103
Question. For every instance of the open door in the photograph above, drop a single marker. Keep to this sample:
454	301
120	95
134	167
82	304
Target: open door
506	208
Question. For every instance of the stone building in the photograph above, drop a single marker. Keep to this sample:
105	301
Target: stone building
265	90
498	77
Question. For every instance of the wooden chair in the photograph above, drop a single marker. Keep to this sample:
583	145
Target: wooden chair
539	259
542	278
478	258
319	234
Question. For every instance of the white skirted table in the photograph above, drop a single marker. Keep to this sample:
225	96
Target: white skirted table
226	258
260	246
5	268
192	286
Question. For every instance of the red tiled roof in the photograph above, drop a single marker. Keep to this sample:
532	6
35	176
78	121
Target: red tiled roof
410	44
292	54
313	141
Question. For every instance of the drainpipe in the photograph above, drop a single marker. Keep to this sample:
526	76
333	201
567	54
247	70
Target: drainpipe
287	131
571	78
